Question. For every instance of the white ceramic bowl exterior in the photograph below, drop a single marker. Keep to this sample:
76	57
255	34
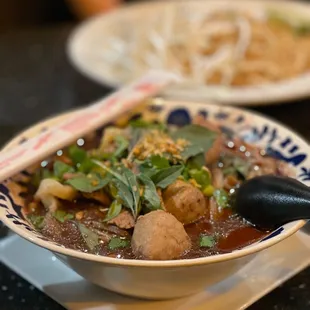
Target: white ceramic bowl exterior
169	279
155	283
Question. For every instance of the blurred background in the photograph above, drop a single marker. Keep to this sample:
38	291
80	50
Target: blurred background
37	81
16	14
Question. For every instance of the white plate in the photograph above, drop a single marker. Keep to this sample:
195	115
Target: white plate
87	45
267	271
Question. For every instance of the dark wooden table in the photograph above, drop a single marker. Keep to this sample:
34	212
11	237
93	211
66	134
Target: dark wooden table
37	81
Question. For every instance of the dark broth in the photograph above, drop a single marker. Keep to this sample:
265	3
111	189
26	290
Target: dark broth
230	230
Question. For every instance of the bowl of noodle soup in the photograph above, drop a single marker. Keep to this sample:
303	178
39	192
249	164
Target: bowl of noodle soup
232	52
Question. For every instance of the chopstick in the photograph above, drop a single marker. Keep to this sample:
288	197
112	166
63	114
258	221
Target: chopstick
82	122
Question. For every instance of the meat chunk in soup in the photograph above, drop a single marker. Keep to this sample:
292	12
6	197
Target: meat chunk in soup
159	235
124	220
184	201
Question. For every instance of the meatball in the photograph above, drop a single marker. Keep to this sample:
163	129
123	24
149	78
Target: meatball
186	202
158	235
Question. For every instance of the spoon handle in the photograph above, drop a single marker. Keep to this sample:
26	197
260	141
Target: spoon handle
269	201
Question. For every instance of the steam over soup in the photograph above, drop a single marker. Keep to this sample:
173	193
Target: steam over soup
148	191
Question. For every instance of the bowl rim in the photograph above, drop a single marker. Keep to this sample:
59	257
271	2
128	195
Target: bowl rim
151	263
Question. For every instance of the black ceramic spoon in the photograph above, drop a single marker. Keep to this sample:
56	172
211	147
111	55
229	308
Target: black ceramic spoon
271	201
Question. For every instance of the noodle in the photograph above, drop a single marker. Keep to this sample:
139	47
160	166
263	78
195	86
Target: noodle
227	47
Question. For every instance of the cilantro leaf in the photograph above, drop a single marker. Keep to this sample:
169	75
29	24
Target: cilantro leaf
134	188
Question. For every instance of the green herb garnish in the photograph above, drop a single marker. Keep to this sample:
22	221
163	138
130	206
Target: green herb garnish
221	198
60	168
150	197
134	188
140	123
89	183
202	177
36	220
116	243
90	238
127	186
114	210
207	241
125	195
77	154
166	176
201	139
111	171
62	216
122	146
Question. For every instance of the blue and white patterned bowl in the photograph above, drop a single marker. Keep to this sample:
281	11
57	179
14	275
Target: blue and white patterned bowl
167	279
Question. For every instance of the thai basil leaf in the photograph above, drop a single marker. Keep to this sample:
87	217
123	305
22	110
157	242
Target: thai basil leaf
90	238
201	139
158	162
122	145
77	154
114	210
196	162
140	123
152	165
111	171
191	150
89	183
86	165
125	195
60	168
221	198
134	188
62	216
166	176
116	243
207	241
150	196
